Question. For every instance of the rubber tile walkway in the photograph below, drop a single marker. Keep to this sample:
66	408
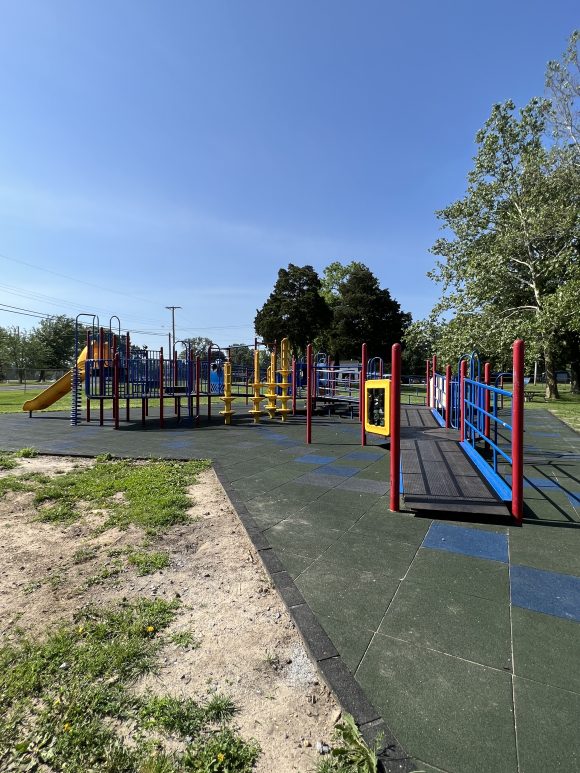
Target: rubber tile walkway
465	636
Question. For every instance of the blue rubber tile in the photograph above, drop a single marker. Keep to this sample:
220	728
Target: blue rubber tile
363	456
343	472
313	459
548	592
469	542
543	483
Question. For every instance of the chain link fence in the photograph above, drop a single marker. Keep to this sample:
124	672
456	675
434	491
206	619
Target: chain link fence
29	377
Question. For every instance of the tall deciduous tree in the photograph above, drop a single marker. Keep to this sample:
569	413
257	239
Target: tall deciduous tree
294	309
363	312
54	340
511	265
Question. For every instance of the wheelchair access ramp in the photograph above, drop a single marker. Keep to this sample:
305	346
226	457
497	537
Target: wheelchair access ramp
436	474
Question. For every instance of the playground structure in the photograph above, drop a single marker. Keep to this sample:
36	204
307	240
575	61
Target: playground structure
482	419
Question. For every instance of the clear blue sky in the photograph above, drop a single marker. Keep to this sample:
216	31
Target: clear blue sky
181	152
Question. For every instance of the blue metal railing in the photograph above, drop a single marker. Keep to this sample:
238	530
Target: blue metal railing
481	425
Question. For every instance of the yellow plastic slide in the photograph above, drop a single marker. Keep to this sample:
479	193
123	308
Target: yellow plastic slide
57	390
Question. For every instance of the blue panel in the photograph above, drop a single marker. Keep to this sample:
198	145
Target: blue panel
548	592
469	542
313	459
544	483
364	456
343	472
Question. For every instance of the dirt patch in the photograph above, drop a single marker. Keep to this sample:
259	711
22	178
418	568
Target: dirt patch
240	640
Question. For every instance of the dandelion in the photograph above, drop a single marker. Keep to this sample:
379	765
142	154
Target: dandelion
81	628
67	727
221	757
150	629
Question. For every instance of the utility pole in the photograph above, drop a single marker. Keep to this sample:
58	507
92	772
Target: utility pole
172	310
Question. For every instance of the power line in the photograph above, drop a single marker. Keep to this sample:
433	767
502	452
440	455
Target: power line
74	279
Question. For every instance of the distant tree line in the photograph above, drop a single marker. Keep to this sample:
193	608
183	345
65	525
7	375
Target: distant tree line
336	312
48	346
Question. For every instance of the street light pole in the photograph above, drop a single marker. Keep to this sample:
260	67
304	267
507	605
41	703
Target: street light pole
172	310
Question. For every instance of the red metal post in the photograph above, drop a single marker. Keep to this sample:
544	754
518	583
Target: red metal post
177	402
116	373
427	384
448	404
309	393
101	376
89	357
209	348
395	407
462	377
518	433
197	386
161	418
434	390
362	396
487	398
127	360
293	386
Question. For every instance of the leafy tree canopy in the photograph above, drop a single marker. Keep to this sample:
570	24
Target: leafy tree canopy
363	312
294	309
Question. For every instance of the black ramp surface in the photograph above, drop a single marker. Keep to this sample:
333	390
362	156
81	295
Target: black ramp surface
437	475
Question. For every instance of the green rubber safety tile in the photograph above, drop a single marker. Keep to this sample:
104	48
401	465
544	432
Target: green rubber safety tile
352	501
300	538
358	599
546	547
547	727
398	527
455	623
423	767
265	521
325	518
250	467
458	573
351	642
361	551
267	506
277	476
455	715
296	493
248	488
376	471
293	563
546	648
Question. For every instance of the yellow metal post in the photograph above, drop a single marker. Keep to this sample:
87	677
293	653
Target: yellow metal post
227	398
271	384
257	398
284	384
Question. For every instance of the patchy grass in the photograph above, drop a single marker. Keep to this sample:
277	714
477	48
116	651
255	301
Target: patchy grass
148	562
350	754
26	453
185	640
153	493
84	554
7	461
66	701
20	482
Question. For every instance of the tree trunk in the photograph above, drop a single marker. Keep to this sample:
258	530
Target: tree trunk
574	353
551	383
